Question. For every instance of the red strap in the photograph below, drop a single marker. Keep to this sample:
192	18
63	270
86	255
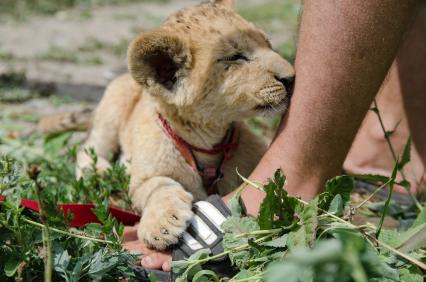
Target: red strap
82	213
209	175
217	149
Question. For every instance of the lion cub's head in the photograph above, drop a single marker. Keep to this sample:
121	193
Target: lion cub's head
206	62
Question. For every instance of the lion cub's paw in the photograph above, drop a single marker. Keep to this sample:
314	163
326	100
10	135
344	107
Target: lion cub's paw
85	162
165	218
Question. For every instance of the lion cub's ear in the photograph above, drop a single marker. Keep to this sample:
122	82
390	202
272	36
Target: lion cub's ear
229	4
158	59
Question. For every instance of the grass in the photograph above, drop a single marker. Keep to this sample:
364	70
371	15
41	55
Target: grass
14	88
59	54
21	9
272	13
6	56
287	50
277	18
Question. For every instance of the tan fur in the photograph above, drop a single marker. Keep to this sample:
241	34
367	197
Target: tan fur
72	121
179	71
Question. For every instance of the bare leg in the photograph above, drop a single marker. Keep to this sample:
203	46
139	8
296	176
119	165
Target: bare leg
345	50
411	63
404	86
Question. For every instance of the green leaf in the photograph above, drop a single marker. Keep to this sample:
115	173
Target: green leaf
292	272
413	239
244	273
362	259
388	200
323	251
232	227
390	237
180	266
205	275
101	264
412	274
372	178
279	242
236	205
189	266
152	277
421	218
237	225
336	205
200	254
56	142
406	156
277	208
342	185
61	260
11	266
305	235
182	278
76	272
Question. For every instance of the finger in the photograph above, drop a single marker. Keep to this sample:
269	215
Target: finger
130	233
167	265
155	260
137	247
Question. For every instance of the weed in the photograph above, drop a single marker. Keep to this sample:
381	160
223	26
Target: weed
30	241
311	242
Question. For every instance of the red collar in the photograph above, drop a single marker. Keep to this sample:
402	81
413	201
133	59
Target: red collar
209	175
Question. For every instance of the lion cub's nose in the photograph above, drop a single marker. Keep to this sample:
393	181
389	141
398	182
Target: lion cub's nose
288	83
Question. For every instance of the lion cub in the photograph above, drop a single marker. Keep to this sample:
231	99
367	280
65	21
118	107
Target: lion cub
191	82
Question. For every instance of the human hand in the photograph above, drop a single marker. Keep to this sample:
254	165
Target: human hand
151	259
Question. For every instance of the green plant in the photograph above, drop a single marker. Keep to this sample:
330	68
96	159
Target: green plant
31	242
295	239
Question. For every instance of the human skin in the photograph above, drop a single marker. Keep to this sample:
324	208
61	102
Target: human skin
411	63
340	64
402	104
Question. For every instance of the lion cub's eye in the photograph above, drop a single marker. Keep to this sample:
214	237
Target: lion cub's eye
236	57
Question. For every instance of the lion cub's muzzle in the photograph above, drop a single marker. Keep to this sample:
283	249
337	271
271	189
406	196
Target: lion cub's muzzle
276	96
288	83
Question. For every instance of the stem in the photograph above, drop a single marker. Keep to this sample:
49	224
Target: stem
379	116
49	259
397	252
261	232
388	141
385	208
372	195
377	241
33	172
256	184
257	276
67	233
236	249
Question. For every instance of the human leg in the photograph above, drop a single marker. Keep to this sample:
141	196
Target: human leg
402	105
345	50
411	63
